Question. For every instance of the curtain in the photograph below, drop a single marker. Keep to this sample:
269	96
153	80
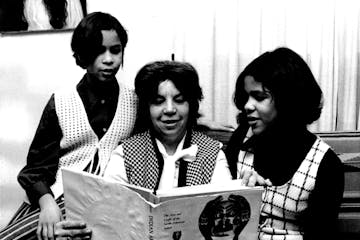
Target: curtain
221	37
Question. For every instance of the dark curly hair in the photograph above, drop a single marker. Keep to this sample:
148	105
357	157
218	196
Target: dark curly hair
182	74
297	95
86	41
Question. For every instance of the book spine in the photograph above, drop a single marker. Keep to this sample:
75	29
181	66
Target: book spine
151	224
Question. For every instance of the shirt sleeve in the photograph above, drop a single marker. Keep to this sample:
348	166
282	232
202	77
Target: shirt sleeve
222	170
115	169
43	156
320	221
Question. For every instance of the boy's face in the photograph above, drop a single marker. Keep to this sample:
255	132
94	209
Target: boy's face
108	62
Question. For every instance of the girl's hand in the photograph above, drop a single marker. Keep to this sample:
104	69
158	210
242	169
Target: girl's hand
251	178
72	230
50	214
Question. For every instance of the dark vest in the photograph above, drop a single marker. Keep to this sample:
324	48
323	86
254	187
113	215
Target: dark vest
144	163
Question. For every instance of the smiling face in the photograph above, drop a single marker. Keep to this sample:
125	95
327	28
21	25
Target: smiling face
169	113
260	106
108	62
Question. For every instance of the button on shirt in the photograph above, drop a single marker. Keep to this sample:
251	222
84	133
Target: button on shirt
100	104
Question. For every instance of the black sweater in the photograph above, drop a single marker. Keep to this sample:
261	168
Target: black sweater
277	155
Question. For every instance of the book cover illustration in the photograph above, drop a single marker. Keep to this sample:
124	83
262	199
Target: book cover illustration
119	211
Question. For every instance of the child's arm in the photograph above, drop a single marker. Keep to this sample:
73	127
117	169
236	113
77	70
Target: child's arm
43	156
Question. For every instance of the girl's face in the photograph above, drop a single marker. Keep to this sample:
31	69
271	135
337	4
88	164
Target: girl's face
108	62
260	106
169	113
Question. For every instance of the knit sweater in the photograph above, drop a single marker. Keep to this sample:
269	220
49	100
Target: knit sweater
79	142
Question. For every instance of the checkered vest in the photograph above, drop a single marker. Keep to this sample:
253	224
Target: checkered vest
142	166
282	206
79	141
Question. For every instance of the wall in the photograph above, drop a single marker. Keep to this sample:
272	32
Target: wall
32	66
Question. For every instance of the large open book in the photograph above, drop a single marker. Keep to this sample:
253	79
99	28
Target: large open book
114	210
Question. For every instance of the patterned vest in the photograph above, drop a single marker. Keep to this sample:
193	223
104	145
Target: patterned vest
142	167
79	142
283	206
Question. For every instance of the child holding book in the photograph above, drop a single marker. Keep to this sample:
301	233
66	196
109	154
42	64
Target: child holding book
79	127
278	96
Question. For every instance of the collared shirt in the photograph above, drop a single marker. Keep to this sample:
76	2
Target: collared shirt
116	167
100	103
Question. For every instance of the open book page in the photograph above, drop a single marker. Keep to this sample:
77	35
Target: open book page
190	191
148	194
111	210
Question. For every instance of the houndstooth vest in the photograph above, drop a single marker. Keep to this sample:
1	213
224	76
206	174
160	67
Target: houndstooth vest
142	167
79	141
282	206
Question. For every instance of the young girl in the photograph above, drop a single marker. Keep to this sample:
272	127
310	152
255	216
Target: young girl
278	96
79	127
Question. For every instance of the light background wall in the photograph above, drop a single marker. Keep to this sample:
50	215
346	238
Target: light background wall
203	32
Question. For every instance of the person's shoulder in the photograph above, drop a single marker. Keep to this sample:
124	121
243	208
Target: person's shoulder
201	134
330	159
128	92
126	88
330	152
138	137
204	137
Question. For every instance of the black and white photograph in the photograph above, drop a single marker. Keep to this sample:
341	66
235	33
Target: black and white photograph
168	94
